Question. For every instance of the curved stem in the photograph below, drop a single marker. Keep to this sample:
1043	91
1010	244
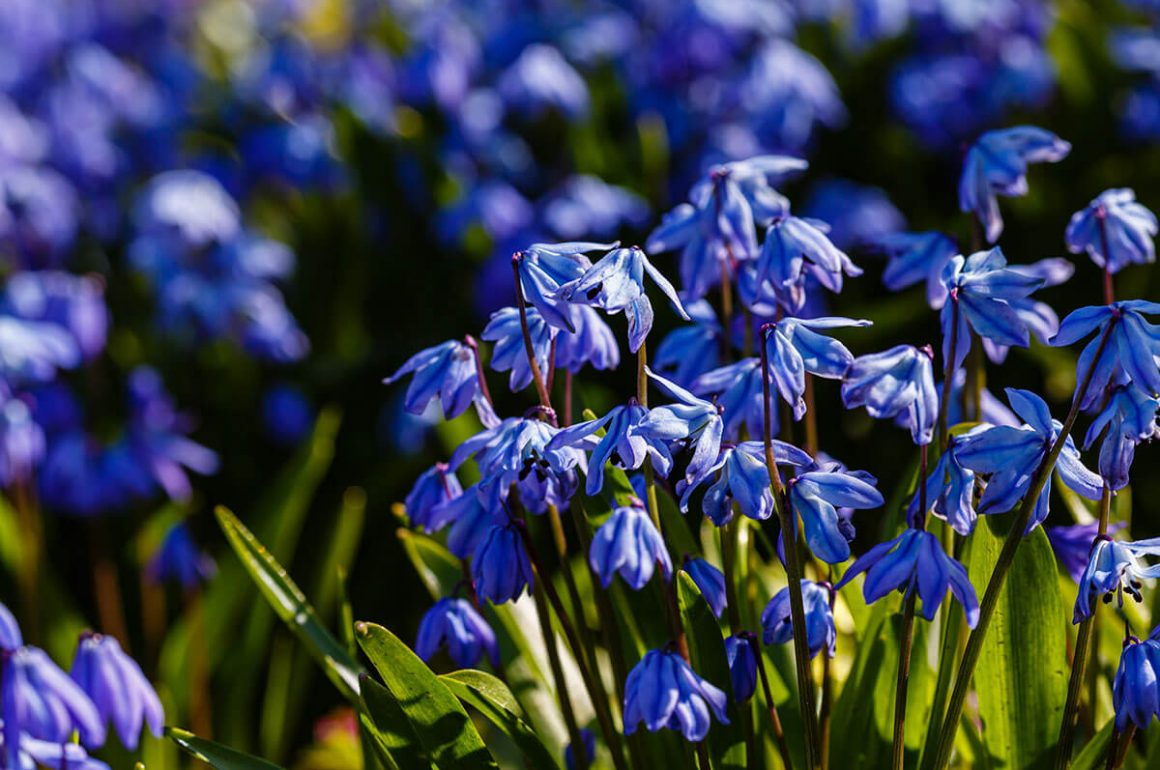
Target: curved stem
471	343
793	574
537	375
999	575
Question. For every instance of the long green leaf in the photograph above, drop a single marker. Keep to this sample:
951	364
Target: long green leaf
439	722
390	728
492	698
1021	679
291	606
216	755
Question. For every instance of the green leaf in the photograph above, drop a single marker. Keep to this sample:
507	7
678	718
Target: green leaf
494	700
389	728
441	726
1021	679
216	755
291	606
707	655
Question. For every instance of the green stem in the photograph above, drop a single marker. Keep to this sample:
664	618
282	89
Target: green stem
793	575
774	718
898	751
1006	556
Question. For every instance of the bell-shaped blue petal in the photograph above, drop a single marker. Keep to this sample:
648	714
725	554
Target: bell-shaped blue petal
692	421
500	568
1136	688
689	351
896	382
915	258
1128	419
950	491
815	496
742	658
118	688
794	348
1130	353
592	344
777	620
629	544
795	248
710	582
544	267
458	626
510	352
446	372
1072	545
435	486
662	691
40	700
623	443
1114	569
1115	230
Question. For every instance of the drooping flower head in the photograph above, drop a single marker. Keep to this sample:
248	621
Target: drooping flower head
447	372
500	568
899	381
453	623
435	486
117	687
592	344
710	582
1115	230
1039	317
662	691
689	351
915	561
1130	353
690	420
738	389
981	290
743	480
510	354
180	560
40	700
816	495
794	347
1113	569
950	491
1072	545
742	659
1128	420
777	622
616	284
629	544
996	164
544	267
1136	688
914	258
795	249
623	443
1012	456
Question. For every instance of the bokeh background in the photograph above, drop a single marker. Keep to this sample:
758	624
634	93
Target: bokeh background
273	204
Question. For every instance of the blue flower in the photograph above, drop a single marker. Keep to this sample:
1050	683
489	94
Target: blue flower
662	691
33	351
1130	353
435	486
794	348
623	443
815	496
915	561
777	622
899	381
1013	455
117	687
628	543
472	515
1128	419
737	388
39	699
286	414
1073	545
53	754
541	78
916	257
1135	692
589	740
180	560
950	491
1127	225
510	353
710	581
593	343
742	659
982	289
447	371
1114	568
744	481
996	164
10	636
1040	319
21	440
73	302
587	205
500	568
456	625
544	267
795	249
616	284
691	420
689	351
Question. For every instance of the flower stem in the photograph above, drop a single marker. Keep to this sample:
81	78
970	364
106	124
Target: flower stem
793	574
1006	556
899	746
1109	284
827	687
470	342
537	375
567	398
948	374
774	719
810	442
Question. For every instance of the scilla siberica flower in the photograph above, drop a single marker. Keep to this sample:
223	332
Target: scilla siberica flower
950	490
896	382
33	351
616	283
506	331
1072	545
435	486
1114	568
1117	223
10	636
1128	419
1131	351
689	351
816	495
447	372
664	692
996	164
39	699
117	687
795	348
1136	688
980	291
915	561
592	344
623	443
737	388
710	582
500	568
472	515
1012	457
453	623
180	560
743	480
916	257
1040	319
777	622
795	248
691	420
544	267
742	659
628	543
